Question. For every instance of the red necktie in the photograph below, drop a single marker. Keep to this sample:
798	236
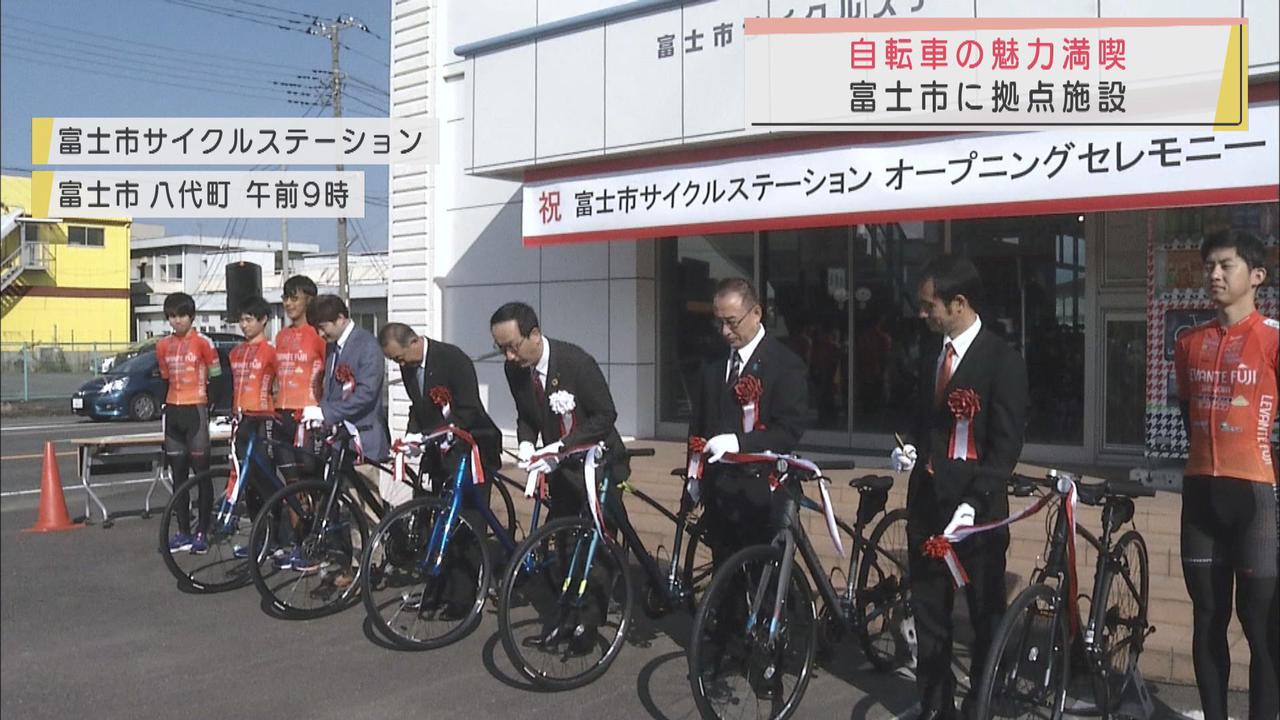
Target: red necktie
537	384
944	373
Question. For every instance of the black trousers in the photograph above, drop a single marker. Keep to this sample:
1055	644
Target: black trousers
933	599
739	510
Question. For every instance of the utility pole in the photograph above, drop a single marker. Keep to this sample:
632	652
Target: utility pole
331	29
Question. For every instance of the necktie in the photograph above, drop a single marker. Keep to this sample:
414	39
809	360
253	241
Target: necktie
735	367
944	372
537	384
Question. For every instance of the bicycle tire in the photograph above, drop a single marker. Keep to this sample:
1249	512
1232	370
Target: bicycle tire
535	618
1027	669
711	653
335	545
404	600
218	569
882	615
1120	617
507	513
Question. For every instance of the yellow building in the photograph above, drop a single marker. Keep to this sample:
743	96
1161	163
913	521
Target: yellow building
64	280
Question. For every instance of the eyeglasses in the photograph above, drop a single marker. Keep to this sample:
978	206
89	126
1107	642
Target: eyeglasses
731	323
511	348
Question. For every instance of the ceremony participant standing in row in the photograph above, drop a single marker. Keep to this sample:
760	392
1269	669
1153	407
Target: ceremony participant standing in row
970	420
1226	371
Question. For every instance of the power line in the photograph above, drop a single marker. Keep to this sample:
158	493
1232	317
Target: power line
132	44
245	15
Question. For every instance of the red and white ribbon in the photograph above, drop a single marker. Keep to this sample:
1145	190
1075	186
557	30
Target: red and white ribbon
697	462
537	480
749	414
299	430
962	445
566	423
355	440
828	510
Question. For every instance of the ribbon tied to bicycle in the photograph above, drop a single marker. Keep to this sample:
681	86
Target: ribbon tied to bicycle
940	547
447	434
697	448
594	454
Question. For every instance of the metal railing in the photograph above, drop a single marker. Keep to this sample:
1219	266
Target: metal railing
48	371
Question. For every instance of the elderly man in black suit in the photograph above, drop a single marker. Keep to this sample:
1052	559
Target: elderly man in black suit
970	417
761	372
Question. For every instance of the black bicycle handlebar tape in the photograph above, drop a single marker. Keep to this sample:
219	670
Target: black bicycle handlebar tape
641	452
837	465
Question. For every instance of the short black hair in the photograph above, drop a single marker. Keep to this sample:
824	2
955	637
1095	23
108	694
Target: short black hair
180	304
401	333
256	306
742	287
327	308
1247	246
953	276
526	319
300	284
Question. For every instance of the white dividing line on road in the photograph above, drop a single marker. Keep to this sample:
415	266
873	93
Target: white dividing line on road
34	428
96	486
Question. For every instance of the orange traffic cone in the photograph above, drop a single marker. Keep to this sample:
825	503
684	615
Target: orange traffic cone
53	515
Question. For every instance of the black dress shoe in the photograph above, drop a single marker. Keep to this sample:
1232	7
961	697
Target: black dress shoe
582	642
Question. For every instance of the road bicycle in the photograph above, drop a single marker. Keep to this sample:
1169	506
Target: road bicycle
1028	668
756	633
427	570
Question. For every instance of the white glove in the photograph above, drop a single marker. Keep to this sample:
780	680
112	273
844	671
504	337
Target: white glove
524	453
903	458
412	444
312	415
721	444
547	464
963	517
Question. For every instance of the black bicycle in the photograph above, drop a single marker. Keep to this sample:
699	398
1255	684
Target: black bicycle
567	596
1028	669
756	633
316	571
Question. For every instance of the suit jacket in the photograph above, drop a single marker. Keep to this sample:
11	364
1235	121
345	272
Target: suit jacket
783	406
361	407
999	376
570	369
448	366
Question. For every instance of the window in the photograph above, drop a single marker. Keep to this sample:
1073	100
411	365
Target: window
175	271
86	236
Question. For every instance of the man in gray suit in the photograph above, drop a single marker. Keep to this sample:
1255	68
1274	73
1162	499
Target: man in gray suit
354	372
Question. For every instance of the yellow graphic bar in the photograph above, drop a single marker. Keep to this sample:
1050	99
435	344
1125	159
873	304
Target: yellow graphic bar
41	136
1233	92
41	192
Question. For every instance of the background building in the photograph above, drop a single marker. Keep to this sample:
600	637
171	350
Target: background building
574	89
64	280
198	266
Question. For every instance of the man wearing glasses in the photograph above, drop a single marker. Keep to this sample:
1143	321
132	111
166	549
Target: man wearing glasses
562	400
751	399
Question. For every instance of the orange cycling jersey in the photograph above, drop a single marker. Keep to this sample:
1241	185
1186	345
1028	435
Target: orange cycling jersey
300	358
1227	378
185	363
253	370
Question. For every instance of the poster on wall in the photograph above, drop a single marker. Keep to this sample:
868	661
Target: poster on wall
1177	301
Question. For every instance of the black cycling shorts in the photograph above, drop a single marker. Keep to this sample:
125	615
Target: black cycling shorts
1231	522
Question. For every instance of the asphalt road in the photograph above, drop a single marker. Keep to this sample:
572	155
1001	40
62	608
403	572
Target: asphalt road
94	626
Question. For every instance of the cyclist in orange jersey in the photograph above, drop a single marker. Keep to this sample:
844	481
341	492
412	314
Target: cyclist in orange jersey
187	360
300	361
1227	377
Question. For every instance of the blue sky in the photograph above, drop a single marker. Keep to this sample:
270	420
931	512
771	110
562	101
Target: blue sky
193	58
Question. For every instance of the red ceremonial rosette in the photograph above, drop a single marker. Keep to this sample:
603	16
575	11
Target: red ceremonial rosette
697	445
936	547
441	396
343	374
748	389
964	403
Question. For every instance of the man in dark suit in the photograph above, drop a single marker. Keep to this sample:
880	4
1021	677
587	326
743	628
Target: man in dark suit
737	497
427	365
437	376
961	480
545	375
538	370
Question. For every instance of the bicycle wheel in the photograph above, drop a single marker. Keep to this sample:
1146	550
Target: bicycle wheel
1027	665
1120	617
224	564
416	596
318	573
882	593
504	508
561	626
735	670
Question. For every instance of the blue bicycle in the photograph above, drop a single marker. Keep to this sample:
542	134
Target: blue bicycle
215	558
426	572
